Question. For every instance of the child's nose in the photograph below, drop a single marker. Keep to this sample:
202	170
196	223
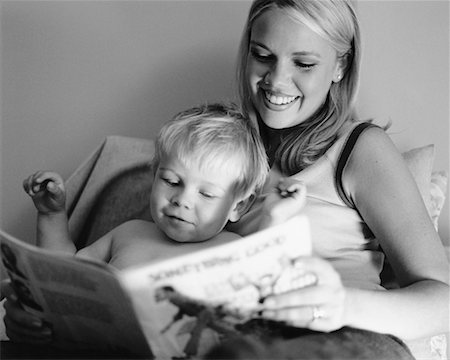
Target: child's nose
182	198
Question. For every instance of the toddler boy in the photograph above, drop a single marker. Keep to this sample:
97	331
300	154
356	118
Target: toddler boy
209	163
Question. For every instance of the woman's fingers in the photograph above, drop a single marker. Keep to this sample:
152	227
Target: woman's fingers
318	307
312	317
314	312
22	334
325	272
22	326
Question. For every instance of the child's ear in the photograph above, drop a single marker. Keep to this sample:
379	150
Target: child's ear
241	207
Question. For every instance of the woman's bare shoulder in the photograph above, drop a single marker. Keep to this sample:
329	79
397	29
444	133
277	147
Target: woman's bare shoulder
375	166
374	147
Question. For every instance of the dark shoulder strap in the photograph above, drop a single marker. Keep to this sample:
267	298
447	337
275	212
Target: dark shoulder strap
343	158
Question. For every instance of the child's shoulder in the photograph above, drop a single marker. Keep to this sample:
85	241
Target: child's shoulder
135	226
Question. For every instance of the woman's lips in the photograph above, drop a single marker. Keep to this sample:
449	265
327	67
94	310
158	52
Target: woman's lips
279	99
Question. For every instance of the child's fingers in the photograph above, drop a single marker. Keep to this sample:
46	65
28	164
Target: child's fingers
297	190
26	185
54	188
292	188
43	181
29	184
46	185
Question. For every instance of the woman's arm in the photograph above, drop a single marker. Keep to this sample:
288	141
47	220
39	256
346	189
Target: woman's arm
378	181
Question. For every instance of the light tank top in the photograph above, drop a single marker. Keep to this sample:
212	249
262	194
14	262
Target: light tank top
338	232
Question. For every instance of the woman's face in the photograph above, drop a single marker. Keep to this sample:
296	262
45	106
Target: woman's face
289	69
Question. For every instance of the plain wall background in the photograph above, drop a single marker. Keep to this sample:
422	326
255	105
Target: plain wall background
75	72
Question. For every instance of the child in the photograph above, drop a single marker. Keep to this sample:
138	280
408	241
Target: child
208	165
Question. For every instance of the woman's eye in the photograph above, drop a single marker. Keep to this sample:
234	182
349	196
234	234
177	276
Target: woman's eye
260	57
303	65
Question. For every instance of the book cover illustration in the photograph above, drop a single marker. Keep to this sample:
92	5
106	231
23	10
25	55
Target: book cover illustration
190	303
176	308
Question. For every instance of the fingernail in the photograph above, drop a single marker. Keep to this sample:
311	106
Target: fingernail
268	314
46	331
37	323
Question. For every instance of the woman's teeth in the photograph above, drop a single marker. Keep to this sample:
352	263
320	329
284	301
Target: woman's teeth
279	100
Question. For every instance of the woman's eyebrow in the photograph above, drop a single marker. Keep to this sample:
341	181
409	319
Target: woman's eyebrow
253	42
297	53
307	53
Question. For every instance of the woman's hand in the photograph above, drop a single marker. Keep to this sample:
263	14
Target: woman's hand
22	326
318	307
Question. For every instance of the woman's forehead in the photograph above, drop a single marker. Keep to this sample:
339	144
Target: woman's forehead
278	31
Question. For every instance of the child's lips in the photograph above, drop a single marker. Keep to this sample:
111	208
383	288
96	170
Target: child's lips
177	219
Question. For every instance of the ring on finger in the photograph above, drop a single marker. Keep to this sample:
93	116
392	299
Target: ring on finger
317	313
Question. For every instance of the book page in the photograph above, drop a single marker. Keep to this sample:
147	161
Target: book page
81	300
189	303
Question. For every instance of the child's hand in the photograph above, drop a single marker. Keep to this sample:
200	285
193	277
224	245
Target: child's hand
47	191
285	201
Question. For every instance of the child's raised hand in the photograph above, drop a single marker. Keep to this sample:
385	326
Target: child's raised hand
285	201
47	191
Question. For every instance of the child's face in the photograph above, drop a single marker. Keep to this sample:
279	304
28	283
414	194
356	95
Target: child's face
190	204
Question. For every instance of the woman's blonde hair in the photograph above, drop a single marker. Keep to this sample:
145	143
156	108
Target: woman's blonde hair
216	137
336	22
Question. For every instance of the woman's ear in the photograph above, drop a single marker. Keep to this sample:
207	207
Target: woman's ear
241	207
341	67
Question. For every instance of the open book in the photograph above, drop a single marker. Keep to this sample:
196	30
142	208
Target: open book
174	308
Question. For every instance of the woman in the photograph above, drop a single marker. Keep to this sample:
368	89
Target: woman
298	76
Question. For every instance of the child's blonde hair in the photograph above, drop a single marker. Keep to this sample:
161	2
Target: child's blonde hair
216	136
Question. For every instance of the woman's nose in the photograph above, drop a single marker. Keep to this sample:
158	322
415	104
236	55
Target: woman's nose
279	75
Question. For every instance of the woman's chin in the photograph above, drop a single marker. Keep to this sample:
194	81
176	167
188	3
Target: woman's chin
279	117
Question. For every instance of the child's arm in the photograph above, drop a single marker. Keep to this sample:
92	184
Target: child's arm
48	194
285	201
100	249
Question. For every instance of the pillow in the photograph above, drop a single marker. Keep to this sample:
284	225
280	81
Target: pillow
438	190
432	184
433	187
420	163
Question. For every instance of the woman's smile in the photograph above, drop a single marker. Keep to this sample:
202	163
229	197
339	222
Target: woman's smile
278	101
290	69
